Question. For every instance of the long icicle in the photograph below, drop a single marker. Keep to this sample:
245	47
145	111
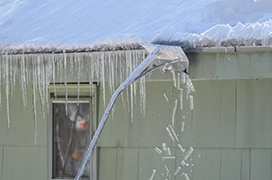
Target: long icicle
34	86
65	82
7	88
1	83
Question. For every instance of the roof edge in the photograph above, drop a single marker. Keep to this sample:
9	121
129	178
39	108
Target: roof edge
131	46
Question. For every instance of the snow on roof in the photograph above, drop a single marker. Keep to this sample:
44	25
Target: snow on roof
83	23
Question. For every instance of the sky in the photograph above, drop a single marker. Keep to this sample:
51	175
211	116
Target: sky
185	22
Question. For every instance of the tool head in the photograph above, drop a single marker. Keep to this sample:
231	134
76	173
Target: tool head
178	61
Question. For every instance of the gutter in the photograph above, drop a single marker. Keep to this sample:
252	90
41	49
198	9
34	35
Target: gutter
126	47
230	49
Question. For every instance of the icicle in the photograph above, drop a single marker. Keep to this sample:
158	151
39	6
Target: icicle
1	60
189	86
142	95
11	83
181	98
60	69
121	77
174	78
189	152
43	86
65	81
111	74
91	74
191	100
131	103
53	75
177	171
183	78
131	87
23	81
165	97
39	76
174	133
168	158
178	82
158	150
170	134
34	107
7	88
15	72
181	148
182	126
174	112
153	174
78	78
48	73
97	67
103	79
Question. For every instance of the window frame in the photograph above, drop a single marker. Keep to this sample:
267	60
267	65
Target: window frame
87	94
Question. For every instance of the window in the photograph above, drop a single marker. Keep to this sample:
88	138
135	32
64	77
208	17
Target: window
72	127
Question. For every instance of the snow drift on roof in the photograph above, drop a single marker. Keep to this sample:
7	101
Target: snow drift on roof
188	23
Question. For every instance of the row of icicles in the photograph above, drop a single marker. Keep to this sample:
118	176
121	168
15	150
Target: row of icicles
40	71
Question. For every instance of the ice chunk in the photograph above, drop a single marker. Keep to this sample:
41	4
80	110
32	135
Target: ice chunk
164	146
168	157
174	133
165	97
158	150
167	170
181	98
182	162
168	151
177	170
191	100
174	78
182	126
170	134
189	86
189	152
183	78
174	112
142	95
186	176
153	174
181	148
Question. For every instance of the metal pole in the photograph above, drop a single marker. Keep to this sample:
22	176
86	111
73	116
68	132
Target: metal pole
132	78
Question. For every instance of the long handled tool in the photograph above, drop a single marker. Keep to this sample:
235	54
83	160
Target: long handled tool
165	57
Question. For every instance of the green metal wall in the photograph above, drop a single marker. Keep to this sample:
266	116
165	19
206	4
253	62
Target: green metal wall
229	128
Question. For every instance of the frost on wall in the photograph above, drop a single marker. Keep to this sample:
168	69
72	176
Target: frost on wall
44	70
